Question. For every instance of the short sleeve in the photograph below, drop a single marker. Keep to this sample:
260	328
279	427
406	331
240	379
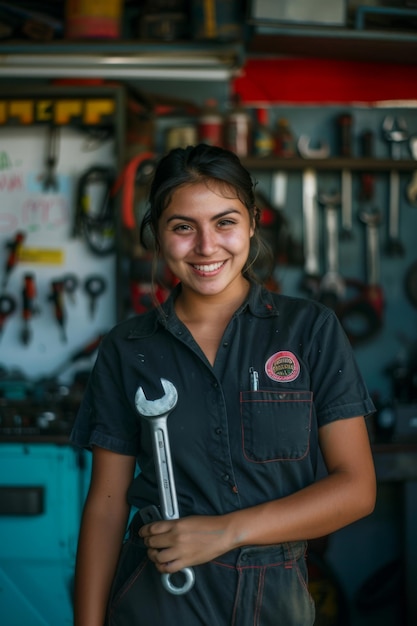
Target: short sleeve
105	417
337	382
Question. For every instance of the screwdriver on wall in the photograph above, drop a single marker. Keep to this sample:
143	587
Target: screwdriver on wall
57	299
14	247
83	353
28	308
95	286
7	307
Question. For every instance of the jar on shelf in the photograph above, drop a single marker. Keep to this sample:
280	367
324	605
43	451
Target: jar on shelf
210	124
263	137
238	129
284	139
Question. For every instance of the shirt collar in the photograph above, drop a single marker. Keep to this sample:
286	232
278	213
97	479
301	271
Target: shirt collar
260	302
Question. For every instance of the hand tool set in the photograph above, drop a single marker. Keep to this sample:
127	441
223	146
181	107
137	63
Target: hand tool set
57	247
360	304
59	287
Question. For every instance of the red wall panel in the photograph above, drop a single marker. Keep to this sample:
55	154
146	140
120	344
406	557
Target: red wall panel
312	81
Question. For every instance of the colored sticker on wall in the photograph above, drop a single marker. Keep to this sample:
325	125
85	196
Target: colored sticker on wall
282	366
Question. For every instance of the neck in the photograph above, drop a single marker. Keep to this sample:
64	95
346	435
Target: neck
192	306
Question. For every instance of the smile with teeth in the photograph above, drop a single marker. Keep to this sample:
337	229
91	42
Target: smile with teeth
212	267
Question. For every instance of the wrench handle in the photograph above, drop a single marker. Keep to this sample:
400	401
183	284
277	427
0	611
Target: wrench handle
164	469
310	219
176	590
151	514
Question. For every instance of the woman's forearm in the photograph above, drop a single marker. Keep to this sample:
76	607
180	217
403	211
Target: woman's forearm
320	509
98	552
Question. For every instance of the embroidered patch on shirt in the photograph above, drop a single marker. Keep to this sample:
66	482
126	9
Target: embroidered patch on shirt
282	366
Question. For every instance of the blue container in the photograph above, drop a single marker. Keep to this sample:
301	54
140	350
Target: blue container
42	491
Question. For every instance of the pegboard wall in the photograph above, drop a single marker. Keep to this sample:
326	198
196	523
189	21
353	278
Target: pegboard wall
50	251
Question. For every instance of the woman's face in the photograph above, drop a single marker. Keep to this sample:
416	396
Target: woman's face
204	238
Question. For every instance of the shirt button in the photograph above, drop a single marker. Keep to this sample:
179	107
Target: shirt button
244	557
225	344
215	385
219	431
226	477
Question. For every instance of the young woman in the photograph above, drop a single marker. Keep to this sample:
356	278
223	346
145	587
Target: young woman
264	381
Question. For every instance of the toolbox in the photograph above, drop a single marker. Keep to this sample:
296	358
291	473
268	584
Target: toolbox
42	490
326	12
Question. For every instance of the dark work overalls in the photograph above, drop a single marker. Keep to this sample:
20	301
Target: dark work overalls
233	446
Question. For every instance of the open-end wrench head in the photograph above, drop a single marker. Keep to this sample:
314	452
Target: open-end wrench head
395	130
307	152
413	146
370	218
330	200
161	406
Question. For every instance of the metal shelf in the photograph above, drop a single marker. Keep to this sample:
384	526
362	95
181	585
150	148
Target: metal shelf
127	59
336	43
329	164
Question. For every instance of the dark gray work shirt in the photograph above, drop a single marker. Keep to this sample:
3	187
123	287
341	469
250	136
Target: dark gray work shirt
232	446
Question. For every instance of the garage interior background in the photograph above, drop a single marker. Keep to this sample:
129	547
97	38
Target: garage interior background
118	95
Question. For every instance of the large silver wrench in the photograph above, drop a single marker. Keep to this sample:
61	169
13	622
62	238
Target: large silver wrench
310	223
156	412
332	285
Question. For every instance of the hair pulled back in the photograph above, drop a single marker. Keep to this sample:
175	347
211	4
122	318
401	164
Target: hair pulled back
195	164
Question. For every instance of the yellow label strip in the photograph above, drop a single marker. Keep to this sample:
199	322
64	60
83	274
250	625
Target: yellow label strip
47	256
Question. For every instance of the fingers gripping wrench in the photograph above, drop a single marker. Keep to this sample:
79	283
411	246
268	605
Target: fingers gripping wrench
156	413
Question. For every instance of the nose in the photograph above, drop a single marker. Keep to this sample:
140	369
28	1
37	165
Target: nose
206	242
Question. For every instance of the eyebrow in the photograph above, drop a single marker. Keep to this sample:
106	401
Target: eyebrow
187	218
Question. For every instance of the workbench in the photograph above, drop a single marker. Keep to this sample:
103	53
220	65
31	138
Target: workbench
397	462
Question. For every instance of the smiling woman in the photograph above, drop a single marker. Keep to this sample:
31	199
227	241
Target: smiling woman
204	238
263	381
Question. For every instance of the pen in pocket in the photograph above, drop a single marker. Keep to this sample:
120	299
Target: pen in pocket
254	379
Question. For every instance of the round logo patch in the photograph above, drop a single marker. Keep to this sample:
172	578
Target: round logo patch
282	366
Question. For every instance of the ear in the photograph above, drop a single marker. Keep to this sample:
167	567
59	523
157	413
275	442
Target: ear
255	220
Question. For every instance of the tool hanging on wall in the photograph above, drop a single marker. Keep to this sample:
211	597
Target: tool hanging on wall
7	308
50	178
275	230
94	211
149	283
332	286
70	286
13	256
367	179
138	168
311	277
57	300
410	283
362	315
83	353
344	128
396	133
95	286
412	185
28	307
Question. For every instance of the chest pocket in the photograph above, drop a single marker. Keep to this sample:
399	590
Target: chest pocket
275	425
